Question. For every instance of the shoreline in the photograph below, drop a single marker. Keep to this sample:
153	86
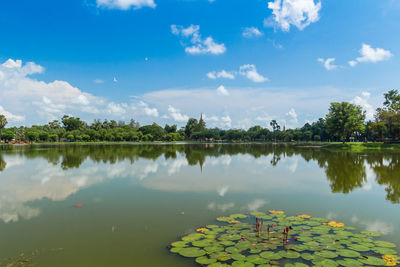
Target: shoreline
334	146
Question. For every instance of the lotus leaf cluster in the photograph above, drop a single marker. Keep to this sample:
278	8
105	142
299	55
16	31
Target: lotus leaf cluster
275	239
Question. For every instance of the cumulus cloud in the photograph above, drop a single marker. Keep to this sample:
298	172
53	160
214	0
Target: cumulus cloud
223	190
299	13
222	207
251	32
177	115
227	121
256	204
371	55
36	101
221	74
221	90
250	72
153	112
10	116
293	120
363	101
197	45
125	4
328	63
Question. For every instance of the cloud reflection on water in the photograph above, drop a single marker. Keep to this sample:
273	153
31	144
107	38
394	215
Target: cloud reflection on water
60	174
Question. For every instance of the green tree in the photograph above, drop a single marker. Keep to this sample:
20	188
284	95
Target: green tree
345	119
390	114
3	123
8	135
71	123
191	126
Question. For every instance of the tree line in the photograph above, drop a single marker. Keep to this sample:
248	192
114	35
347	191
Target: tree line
344	121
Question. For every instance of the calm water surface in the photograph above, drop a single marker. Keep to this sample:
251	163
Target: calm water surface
138	198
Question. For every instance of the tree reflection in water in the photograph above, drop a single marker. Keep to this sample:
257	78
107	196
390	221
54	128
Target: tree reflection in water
345	171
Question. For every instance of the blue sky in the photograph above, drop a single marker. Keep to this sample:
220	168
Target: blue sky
241	63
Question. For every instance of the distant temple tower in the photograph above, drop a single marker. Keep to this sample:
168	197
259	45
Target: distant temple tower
202	123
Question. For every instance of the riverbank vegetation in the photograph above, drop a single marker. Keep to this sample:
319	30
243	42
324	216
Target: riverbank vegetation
344	122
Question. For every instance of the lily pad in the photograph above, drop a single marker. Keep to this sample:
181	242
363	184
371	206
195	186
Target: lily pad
205	260
348	253
191	252
371	233
384	244
372	261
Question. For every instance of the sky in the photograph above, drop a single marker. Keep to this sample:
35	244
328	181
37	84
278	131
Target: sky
239	63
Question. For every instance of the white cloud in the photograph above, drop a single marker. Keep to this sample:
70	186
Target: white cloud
223	190
353	63
37	101
293	120
221	90
222	207
227	121
176	165
328	63
115	108
250	71
363	101
369	54
11	117
177	115
115	79
153	112
256	204
125	4
197	44
251	32
299	13
221	74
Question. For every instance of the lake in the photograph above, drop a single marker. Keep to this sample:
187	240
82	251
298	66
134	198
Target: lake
140	197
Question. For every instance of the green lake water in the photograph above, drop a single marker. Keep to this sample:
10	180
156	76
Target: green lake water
139	198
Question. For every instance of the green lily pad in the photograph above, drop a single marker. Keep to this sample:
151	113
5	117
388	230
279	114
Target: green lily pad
242	264
326	254
175	249
384	251
360	248
256	259
349	263
348	253
384	244
270	255
238	257
191	252
193	237
326	263
372	261
289	254
179	244
258	214
297	264
214	249
371	233
238	216
218	264
205	260
307	256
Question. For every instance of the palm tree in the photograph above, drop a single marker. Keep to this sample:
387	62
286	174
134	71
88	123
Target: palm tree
3	122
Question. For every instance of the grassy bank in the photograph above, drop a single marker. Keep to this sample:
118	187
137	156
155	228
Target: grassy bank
361	147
